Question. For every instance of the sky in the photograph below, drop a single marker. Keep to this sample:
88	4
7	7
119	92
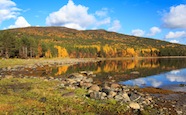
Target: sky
158	19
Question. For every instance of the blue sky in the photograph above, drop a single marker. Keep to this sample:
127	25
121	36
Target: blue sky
158	19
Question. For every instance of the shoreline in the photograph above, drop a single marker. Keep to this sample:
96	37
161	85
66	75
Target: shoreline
64	61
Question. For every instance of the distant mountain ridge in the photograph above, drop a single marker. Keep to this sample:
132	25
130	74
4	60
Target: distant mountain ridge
66	42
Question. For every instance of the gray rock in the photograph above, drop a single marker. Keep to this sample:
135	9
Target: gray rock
134	105
94	88
95	95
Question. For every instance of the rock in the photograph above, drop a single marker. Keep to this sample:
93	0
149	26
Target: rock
95	95
179	112
126	97
70	94
90	80
94	88
115	85
62	85
135	72
75	75
78	79
87	73
71	81
134	105
90	73
118	97
112	93
86	85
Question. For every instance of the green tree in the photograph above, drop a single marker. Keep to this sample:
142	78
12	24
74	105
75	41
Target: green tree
7	44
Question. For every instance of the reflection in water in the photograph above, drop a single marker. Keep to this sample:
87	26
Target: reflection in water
176	76
123	70
170	80
145	67
155	82
62	70
111	66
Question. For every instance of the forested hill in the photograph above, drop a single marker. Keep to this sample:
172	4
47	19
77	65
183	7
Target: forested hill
64	42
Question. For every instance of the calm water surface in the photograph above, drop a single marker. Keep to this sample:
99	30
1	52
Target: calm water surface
159	73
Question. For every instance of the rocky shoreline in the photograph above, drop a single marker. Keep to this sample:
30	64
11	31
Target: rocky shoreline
135	99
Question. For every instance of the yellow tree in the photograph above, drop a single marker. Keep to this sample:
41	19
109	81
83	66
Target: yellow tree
131	52
62	52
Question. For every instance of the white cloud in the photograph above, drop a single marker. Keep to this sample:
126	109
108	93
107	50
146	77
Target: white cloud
102	13
176	17
174	41
8	10
138	32
20	22
71	15
103	22
115	26
178	34
153	31
77	17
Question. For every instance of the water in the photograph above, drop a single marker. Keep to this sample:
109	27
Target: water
174	80
159	73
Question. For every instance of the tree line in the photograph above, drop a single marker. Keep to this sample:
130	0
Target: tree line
26	46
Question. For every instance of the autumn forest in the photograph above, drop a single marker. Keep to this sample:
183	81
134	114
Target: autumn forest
48	42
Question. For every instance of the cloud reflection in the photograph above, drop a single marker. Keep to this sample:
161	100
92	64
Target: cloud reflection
175	72
139	82
155	82
177	78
